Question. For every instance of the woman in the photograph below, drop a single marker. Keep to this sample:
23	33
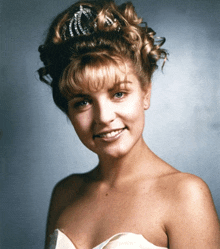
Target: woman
100	59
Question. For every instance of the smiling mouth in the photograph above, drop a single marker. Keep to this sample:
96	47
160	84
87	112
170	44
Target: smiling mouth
109	134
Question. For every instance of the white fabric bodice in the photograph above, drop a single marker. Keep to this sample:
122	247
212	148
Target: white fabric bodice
118	241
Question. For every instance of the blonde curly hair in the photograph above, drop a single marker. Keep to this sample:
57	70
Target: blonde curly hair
71	60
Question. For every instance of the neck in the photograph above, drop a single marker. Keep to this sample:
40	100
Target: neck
131	165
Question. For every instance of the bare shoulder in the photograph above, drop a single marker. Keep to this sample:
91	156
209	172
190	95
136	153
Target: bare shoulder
187	185
67	187
191	221
63	194
189	190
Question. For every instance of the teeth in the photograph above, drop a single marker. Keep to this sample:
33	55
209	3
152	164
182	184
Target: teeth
110	134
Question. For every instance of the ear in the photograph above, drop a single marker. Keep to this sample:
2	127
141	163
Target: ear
147	96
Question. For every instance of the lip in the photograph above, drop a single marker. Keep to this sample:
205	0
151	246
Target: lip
109	135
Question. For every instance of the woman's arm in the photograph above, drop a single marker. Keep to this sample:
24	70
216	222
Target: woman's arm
193	222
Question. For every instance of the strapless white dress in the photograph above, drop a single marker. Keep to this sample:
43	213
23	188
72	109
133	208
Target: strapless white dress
118	241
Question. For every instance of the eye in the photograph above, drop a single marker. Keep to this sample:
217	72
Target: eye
80	104
119	95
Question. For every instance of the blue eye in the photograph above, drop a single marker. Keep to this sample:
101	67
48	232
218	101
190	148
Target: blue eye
81	103
119	95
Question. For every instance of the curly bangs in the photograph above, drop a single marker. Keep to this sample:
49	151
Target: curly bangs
92	72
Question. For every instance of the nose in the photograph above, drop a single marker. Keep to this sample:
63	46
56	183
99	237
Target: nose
104	112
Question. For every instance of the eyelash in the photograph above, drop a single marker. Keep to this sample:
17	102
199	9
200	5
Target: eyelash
121	93
83	103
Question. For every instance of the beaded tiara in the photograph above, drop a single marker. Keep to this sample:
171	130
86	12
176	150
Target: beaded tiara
80	23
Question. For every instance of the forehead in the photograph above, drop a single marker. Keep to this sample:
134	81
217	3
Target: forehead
93	73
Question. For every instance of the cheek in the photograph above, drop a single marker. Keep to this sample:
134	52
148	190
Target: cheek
134	109
81	122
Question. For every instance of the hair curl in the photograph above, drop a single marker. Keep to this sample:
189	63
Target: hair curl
128	38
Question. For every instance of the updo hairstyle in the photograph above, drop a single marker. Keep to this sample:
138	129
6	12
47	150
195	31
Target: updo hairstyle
107	35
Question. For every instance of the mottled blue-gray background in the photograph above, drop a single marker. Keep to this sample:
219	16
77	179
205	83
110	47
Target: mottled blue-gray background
38	146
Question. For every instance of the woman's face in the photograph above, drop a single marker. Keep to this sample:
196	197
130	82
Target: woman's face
111	121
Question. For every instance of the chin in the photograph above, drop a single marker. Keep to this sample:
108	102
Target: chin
114	153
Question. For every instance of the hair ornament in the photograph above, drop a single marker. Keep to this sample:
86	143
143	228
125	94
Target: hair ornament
77	21
109	21
80	23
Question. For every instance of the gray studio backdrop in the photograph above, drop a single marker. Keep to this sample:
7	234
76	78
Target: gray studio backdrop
38	145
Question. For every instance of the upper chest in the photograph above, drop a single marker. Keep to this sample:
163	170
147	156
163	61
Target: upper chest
98	214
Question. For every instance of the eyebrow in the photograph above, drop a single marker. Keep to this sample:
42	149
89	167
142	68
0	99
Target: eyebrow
80	95
117	85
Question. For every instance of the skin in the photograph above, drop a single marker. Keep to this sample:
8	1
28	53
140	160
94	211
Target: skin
131	190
